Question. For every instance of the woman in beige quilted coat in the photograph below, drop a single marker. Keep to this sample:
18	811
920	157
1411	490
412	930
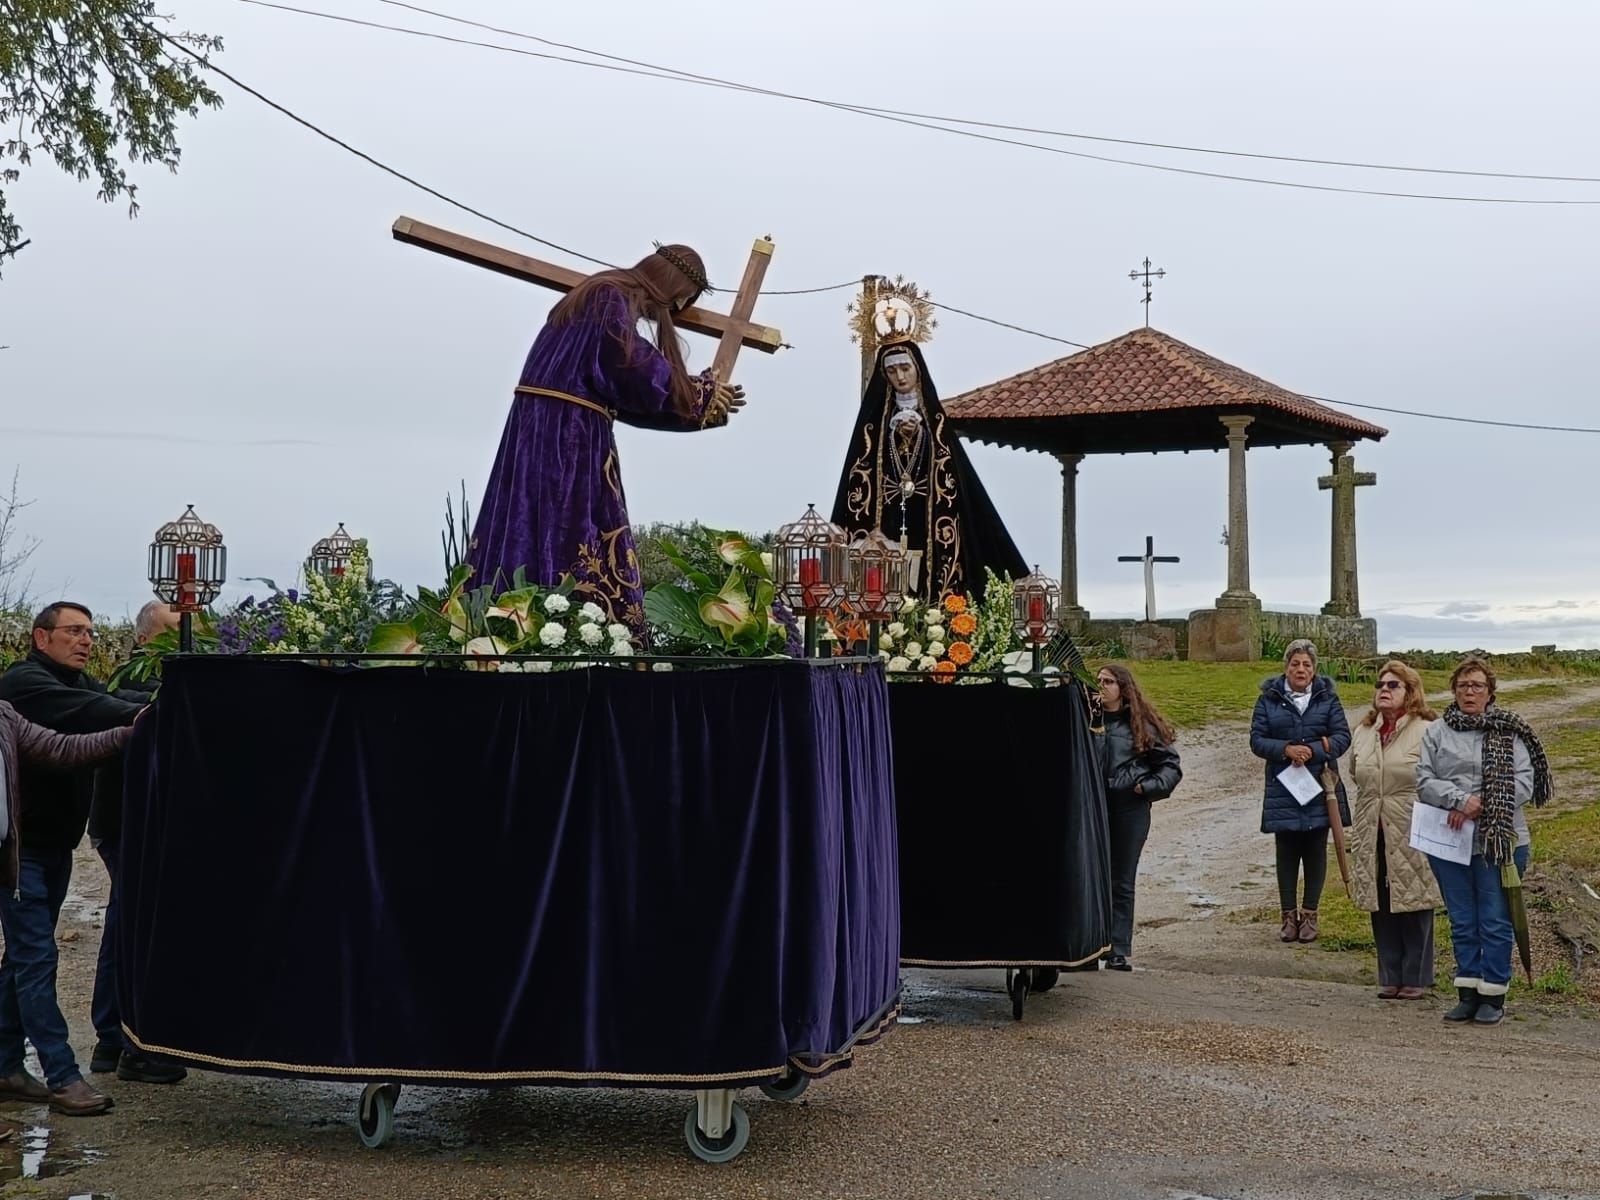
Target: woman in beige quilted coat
1391	880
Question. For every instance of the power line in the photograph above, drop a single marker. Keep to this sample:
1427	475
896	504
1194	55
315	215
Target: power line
674	75
299	120
416	183
981	124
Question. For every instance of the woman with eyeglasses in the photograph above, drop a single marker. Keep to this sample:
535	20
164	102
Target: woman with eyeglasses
1389	879
1140	767
1483	763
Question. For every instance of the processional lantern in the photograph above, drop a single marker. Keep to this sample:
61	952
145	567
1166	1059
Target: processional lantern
809	569
188	566
1035	601
876	580
330	557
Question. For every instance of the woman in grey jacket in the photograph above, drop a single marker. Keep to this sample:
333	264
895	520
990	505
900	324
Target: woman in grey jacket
1140	766
1483	763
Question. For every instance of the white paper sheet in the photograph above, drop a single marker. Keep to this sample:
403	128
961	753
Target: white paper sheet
1431	833
1302	784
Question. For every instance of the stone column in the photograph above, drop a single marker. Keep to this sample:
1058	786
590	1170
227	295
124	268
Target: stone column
1238	594
1073	615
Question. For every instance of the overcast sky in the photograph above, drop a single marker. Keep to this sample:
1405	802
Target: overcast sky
257	344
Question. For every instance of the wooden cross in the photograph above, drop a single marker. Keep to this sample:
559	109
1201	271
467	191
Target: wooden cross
731	331
1147	275
1149	558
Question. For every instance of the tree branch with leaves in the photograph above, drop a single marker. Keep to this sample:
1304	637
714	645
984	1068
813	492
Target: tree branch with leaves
88	82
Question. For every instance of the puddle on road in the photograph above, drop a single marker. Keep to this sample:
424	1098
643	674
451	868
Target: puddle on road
26	1154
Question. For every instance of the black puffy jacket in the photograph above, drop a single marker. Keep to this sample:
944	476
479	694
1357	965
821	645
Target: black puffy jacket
1156	772
1277	725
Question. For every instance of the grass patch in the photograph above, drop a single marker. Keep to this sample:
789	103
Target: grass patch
1345	928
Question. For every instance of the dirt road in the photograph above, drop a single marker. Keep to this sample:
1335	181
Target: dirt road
1227	1065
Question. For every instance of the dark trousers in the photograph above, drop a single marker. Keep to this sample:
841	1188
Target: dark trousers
1404	940
1130	826
1307	848
103	1007
28	1007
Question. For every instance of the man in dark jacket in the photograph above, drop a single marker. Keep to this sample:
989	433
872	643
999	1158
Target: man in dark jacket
111	1051
49	688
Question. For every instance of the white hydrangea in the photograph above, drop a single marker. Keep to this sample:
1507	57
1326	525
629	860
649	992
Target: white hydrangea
622	648
592	612
896	629
619	633
590	635
935	649
555	604
899	663
554	633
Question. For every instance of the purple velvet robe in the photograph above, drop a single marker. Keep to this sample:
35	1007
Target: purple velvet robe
554	504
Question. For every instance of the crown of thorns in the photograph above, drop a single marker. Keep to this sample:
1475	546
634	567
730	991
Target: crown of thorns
690	272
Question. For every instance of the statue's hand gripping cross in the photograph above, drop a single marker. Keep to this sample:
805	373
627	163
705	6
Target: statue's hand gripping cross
732	331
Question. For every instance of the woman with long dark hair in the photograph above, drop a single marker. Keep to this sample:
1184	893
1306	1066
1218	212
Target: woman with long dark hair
554	504
1140	767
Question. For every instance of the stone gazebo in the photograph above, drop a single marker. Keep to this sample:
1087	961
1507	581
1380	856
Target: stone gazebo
1147	392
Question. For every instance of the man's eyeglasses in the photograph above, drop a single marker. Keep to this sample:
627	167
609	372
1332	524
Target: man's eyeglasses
76	631
1472	687
1389	685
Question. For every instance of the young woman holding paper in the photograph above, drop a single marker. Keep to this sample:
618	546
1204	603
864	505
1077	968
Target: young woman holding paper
1389	879
1299	728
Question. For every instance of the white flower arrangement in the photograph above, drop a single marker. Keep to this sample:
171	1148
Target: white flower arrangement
555	604
618	632
590	635
592	612
554	633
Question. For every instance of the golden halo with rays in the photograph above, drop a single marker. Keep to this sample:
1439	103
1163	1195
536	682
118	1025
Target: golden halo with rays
900	311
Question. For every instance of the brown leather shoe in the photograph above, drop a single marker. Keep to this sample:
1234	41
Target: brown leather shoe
23	1086
1291	925
1411	993
1308	925
78	1099
1389	993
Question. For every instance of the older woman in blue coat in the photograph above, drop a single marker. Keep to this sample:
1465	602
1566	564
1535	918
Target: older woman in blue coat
1299	721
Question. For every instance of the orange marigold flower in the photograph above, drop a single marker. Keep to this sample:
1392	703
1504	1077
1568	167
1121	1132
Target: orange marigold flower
960	653
955	603
964	624
943	671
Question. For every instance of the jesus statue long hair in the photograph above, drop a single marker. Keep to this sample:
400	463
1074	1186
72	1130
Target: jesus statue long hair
656	287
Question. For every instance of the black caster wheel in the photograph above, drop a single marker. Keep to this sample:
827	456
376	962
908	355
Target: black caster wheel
1044	978
788	1086
1017	985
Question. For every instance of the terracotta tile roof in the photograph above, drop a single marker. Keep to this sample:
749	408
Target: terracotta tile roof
1139	373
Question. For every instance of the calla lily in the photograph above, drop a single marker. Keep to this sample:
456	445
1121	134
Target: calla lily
519	619
485	647
728	611
456	613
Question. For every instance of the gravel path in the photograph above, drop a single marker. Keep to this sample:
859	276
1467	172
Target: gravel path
1228	1065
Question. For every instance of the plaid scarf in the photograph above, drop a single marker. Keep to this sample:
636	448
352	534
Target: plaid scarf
1501	728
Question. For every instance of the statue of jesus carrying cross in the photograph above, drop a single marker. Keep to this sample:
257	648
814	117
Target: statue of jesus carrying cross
554	504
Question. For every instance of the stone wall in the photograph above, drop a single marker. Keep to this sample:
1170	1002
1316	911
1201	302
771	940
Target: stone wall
1347	637
1141	640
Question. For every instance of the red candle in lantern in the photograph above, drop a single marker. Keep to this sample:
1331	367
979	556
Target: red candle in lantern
874	588
815	591
1036	616
186	585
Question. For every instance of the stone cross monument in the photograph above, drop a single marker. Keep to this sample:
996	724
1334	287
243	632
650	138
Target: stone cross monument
1344	599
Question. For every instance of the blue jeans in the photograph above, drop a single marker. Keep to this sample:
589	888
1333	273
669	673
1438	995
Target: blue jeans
28	1005
1480	921
103	1007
